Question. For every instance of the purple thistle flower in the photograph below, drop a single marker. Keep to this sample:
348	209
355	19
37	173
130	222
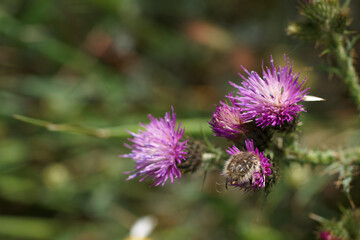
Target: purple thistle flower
272	99
247	170
327	235
227	121
157	149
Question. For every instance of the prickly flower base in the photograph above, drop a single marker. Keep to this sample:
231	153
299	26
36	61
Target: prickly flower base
193	158
261	136
288	127
247	170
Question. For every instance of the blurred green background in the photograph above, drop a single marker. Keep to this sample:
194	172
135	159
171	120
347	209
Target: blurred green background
109	63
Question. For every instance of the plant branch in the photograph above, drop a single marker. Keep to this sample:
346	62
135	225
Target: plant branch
323	157
344	61
192	127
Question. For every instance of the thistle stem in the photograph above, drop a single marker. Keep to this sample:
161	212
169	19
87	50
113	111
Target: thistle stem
346	67
324	157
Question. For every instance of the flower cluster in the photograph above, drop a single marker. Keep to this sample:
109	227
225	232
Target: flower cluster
259	104
270	100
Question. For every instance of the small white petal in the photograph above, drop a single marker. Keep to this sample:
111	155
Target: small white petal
143	227
309	98
208	156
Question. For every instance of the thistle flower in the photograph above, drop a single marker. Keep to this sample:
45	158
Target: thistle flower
246	170
157	150
227	121
327	235
272	99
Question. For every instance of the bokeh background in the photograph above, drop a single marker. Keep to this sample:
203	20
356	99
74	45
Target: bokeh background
109	63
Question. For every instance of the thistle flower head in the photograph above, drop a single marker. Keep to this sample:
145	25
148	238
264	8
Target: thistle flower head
246	170
273	98
327	235
227	120
157	150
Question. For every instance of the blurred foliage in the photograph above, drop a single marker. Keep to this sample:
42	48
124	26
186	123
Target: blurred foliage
348	227
326	23
97	64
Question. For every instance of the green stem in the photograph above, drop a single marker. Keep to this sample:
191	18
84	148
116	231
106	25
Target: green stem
325	157
192	126
345	64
